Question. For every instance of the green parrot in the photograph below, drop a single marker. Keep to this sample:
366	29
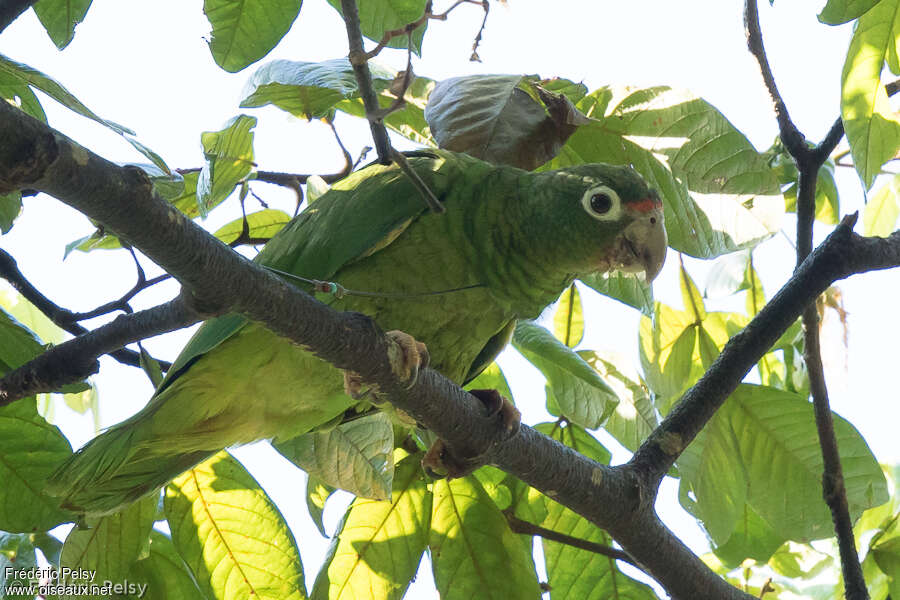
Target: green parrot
509	242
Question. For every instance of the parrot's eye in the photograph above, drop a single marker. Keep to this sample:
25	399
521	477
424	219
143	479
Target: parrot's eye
602	203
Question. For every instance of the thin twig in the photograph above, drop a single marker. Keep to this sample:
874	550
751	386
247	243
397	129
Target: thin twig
791	136
430	199
61	317
359	62
519	526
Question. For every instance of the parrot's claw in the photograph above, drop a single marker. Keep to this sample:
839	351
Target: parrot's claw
443	461
407	357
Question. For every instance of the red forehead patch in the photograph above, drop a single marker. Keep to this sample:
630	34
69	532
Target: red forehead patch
646	205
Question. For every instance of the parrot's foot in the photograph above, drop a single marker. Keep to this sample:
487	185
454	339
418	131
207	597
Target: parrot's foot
407	357
443	461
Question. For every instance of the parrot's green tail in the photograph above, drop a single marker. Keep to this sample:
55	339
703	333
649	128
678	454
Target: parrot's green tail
115	469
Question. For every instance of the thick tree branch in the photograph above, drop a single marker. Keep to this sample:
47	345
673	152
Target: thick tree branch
76	359
619	499
61	317
11	9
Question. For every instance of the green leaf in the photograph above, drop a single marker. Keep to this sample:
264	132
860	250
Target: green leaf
18	344
229	159
837	12
317	494
231	535
17	92
308	89
262	225
762	448
10	207
624	287
568	321
377	17
356	456
109	546
872	126
752	538
701	225
580	393
377	548
473	552
703	148
30	450
690	295
164	572
634	417
60	17
16	557
881	212
11	70
244	31
503	119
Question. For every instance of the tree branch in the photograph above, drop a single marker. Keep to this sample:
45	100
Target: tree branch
216	279
61	317
809	161
11	9
363	76
76	359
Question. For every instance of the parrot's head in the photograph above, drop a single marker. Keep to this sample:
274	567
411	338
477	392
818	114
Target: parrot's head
607	219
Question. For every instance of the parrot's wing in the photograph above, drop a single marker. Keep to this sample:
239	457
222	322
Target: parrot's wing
358	216
490	351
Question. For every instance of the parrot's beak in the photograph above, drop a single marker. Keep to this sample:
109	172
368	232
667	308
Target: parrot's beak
646	239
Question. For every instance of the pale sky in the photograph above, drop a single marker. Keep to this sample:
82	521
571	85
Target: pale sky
145	65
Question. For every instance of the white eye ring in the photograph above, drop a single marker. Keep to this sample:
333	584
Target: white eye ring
602	202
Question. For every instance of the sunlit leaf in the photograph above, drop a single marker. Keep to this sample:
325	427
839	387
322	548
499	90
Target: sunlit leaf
882	210
317	494
244	31
762	448
231	535
837	12
229	158
624	287
378	545
568	321
377	17
578	390
356	456
472	545
872	126
261	226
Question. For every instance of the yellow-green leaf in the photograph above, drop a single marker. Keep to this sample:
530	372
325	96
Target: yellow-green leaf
568	322
231	534
872	126
379	544
474	553
880	214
